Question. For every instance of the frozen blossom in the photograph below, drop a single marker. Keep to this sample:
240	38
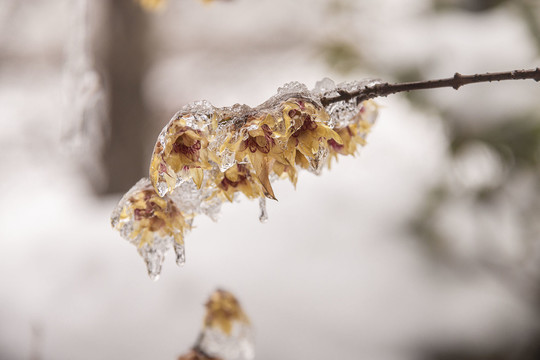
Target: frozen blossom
227	330
151	223
206	156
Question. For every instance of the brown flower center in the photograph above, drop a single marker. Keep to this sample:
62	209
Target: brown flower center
334	145
179	146
262	143
307	125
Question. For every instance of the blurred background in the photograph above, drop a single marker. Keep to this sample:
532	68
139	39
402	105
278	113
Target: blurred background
425	246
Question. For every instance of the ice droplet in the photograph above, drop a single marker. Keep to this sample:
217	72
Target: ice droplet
263	217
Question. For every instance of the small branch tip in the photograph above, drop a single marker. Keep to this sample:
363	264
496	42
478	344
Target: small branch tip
457	81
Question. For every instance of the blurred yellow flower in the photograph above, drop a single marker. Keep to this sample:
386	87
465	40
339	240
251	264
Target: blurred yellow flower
226	332
223	310
151	5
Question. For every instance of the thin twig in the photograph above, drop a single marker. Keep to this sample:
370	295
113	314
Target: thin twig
457	81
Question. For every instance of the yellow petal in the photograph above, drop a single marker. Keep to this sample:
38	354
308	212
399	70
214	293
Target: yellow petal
290	151
229	195
269	120
232	174
261	165
213	157
301	160
327	133
171	181
198	175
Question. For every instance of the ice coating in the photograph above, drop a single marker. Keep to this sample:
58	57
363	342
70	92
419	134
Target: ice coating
206	156
342	113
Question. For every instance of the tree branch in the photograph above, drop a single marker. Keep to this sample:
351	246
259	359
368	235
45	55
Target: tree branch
457	81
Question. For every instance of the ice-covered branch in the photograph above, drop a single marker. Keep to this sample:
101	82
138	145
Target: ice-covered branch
207	155
374	90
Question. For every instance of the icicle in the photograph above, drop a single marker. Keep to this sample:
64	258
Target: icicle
153	259
179	250
317	163
263	217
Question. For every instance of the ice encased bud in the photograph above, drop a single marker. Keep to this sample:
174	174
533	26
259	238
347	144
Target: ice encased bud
227	332
152	223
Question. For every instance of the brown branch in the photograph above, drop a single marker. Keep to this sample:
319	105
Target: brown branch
457	81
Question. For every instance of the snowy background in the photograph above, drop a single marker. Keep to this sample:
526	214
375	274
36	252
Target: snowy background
338	271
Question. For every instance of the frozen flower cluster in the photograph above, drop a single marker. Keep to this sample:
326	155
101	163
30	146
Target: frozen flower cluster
206	156
226	332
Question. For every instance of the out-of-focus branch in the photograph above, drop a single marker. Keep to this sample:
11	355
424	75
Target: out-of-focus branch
196	355
457	81
123	56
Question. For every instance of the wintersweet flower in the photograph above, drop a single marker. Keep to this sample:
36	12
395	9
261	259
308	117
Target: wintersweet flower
257	143
222	312
153	216
286	171
181	152
152	223
308	133
238	178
